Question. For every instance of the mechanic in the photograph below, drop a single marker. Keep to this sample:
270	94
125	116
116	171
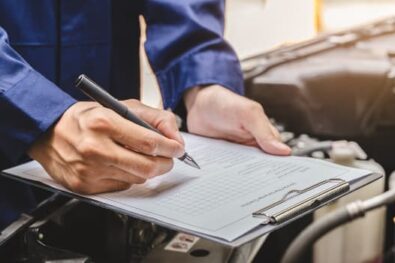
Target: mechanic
46	44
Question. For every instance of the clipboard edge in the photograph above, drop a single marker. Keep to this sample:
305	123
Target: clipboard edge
255	233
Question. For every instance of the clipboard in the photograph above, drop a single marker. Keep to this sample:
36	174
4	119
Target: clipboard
241	194
339	187
271	220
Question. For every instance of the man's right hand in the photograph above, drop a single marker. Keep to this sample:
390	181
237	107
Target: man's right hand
92	149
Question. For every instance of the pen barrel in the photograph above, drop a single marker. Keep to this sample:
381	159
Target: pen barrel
133	118
97	93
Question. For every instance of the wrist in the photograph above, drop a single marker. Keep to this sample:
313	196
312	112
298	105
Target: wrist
190	97
209	91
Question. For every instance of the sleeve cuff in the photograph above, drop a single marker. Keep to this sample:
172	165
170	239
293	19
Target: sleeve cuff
31	107
201	68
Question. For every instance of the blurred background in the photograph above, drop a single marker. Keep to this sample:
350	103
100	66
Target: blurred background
254	26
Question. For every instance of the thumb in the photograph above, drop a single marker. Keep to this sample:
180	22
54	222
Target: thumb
265	135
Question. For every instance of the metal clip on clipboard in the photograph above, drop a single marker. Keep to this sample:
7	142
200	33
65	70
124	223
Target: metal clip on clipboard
313	201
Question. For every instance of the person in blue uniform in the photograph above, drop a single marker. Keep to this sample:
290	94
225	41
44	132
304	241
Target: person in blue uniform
46	44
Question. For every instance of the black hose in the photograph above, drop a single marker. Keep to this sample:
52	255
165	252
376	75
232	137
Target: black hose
307	238
324	225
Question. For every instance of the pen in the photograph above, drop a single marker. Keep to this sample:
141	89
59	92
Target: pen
95	92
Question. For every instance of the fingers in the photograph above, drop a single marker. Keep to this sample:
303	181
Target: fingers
109	124
110	185
140	165
117	174
275	131
145	141
164	121
217	112
120	152
264	133
97	158
98	178
102	186
89	151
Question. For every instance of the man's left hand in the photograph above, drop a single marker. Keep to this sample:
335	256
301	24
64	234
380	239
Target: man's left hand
217	112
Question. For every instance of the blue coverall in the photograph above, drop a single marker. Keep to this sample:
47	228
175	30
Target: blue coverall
46	44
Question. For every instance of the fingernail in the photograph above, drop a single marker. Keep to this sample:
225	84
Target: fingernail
281	146
180	152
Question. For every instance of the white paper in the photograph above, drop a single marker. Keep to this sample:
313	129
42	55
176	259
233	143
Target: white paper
219	199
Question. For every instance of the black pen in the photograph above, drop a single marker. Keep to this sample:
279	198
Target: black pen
95	92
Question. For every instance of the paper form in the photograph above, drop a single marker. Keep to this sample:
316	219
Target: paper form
219	199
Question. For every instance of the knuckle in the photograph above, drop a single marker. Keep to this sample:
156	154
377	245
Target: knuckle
131	102
134	101
275	132
158	167
138	180
88	148
149	145
81	169
255	107
151	171
77	185
99	121
252	110
148	169
114	159
169	116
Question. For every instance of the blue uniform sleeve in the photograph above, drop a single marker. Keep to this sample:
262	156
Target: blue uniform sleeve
29	103
186	48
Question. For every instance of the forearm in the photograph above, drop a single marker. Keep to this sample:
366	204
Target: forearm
29	103
186	47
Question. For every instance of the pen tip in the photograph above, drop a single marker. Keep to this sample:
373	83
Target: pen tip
191	162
